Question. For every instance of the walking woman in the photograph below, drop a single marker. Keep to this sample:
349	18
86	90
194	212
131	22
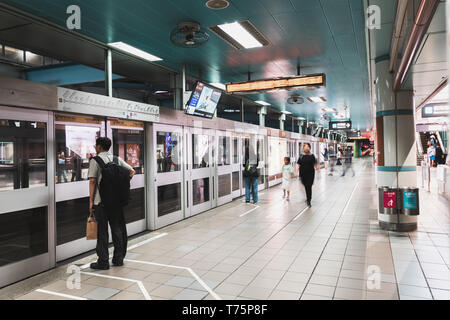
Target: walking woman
307	164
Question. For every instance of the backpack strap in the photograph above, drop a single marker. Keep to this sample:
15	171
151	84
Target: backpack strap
116	160
99	161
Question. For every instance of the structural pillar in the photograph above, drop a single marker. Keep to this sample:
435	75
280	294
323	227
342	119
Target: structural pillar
262	116
108	73
179	87
396	150
282	119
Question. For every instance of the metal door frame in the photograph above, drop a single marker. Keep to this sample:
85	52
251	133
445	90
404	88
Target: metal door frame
23	199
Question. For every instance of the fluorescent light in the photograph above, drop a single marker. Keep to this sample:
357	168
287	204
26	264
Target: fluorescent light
316	99
134	51
263	103
238	33
300	118
219	85
286	112
161	92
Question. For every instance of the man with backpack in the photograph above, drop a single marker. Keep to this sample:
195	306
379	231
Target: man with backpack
109	192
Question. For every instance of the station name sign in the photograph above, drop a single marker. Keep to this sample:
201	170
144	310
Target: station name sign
95	104
340	125
315	80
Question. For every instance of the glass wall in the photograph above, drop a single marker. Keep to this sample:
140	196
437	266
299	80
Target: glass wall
224	182
23	161
168	155
75	145
23	234
200	190
224	151
235	150
200	151
129	145
169	199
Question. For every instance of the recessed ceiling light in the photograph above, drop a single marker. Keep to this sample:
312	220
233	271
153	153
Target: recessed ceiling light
240	35
121	46
263	103
317	99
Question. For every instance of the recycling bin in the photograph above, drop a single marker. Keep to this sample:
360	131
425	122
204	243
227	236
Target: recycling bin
409	201
388	200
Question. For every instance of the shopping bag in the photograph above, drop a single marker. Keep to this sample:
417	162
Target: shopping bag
91	228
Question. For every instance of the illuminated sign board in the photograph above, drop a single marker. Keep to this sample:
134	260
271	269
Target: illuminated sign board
340	125
279	83
435	110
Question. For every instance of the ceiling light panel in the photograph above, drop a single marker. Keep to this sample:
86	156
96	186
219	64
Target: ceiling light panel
240	35
122	46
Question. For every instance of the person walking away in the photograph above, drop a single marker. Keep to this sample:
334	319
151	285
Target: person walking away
431	152
332	159
339	157
287	171
348	155
307	164
325	158
109	191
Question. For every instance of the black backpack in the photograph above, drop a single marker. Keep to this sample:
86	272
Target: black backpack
114	187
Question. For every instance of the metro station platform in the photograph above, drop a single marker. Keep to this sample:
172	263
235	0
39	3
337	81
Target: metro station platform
274	250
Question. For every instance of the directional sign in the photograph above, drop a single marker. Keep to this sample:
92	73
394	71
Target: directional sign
340	125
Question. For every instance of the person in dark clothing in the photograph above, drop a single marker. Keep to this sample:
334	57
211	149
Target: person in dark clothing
251	175
439	155
307	165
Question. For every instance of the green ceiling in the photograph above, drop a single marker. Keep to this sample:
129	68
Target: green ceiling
323	35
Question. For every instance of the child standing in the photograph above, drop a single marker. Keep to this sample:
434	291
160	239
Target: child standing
287	171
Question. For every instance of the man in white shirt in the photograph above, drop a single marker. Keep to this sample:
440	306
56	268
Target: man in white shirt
114	216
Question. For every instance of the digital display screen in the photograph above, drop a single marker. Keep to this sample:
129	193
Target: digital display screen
203	101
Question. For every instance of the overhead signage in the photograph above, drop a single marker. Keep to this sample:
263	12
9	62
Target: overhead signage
340	125
435	110
279	83
95	104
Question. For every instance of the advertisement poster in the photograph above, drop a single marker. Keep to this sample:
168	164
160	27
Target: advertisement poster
204	100
81	140
133	155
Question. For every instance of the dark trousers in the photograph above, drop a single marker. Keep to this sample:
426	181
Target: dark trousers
308	181
116	221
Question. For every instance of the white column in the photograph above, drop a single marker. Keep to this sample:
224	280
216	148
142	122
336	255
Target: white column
396	152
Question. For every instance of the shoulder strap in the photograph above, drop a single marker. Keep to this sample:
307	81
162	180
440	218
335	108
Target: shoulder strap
100	161
116	160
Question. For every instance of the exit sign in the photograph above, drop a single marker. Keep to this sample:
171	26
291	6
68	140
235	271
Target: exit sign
340	125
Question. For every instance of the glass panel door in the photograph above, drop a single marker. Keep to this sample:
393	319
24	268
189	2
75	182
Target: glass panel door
236	178
75	138
168	166
200	170
128	143
261	165
26	187
224	167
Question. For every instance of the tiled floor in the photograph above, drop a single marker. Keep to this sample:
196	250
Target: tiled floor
272	253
